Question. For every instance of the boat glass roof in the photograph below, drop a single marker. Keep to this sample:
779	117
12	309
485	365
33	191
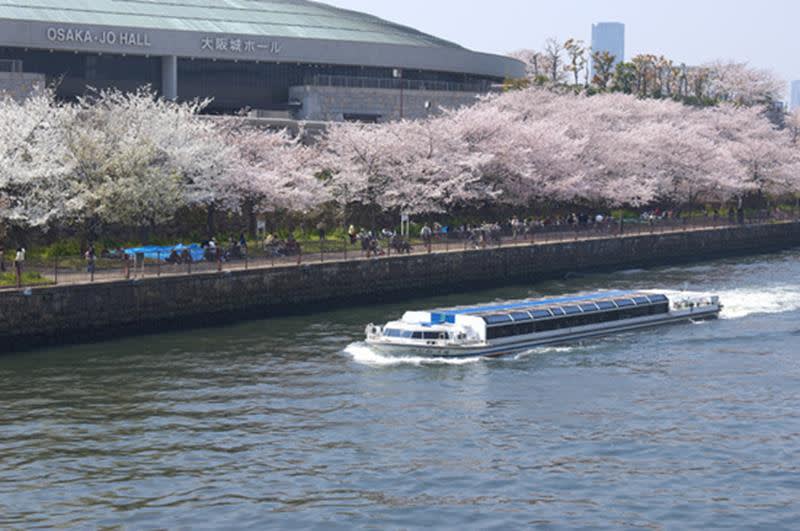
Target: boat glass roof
535	303
519	311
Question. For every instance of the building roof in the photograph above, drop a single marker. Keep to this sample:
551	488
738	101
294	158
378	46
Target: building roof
274	18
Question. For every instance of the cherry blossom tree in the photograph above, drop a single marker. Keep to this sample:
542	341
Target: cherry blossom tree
766	162
274	171
435	170
537	64
135	160
793	124
34	165
619	150
138	158
741	84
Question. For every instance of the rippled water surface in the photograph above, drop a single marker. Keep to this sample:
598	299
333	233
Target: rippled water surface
293	423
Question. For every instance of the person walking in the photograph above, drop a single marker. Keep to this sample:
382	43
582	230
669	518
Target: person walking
91	259
19	262
427	234
2	259
321	231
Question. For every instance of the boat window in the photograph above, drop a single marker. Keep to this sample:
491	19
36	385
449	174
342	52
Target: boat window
571	310
431	335
641	300
499	332
659	309
549	326
606	305
590	318
497	319
520	317
659	298
624	303
558	312
393	333
633	313
417	335
524	329
407	334
609	317
588	308
542	314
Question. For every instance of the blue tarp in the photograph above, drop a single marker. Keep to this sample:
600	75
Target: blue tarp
154	252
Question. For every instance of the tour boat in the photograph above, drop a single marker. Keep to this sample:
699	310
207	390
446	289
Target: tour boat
509	328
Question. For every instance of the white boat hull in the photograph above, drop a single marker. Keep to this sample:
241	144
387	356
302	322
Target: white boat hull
520	344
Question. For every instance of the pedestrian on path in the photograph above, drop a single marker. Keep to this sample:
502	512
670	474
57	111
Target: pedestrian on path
2	259
427	235
19	262
91	260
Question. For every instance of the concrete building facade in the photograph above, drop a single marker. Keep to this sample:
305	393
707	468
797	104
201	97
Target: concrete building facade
608	37
795	101
16	83
247	54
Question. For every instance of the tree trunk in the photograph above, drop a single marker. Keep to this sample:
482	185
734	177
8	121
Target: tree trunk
18	236
210	227
92	232
144	234
251	218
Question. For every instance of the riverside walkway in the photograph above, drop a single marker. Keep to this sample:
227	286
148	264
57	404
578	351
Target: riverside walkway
73	270
156	298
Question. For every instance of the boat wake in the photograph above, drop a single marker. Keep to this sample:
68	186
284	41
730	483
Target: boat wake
543	351
740	303
363	354
767	300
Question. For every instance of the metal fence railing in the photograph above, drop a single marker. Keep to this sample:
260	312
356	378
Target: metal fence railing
321	80
61	270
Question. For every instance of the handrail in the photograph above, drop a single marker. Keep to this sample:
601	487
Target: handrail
114	267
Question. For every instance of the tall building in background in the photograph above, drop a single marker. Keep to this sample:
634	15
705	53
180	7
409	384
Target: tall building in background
795	104
609	37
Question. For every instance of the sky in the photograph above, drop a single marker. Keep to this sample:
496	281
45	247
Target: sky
764	33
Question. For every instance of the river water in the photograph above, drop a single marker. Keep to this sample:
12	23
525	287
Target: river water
293	423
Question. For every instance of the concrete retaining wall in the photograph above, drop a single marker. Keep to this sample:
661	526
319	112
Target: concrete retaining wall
336	103
69	313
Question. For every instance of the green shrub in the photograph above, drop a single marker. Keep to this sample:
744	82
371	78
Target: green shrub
30	278
65	247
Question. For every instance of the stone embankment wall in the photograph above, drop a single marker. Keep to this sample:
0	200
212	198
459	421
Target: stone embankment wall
70	313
